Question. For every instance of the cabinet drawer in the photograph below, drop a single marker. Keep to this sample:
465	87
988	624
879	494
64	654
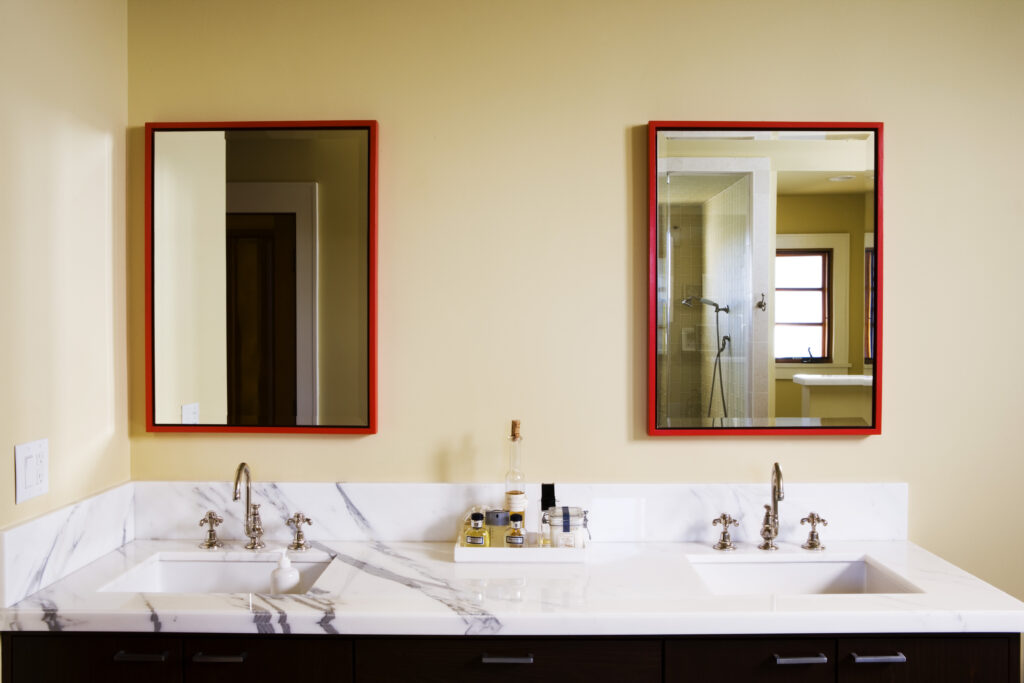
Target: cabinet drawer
728	660
929	659
272	659
507	659
94	657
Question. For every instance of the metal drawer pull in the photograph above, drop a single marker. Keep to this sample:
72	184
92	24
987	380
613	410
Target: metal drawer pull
898	658
200	658
820	658
122	656
528	659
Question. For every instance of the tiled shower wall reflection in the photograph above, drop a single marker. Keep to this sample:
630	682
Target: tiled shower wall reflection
727	280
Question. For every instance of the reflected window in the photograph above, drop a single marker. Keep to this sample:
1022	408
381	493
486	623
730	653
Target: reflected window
803	305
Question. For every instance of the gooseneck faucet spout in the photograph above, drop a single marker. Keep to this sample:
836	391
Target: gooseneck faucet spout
770	525
253	525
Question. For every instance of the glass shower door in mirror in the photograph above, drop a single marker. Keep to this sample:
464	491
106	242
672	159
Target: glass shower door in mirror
764	278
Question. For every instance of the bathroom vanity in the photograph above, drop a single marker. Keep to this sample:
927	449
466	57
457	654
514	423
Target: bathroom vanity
660	606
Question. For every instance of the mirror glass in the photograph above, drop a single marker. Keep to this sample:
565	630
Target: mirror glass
764	296
261	276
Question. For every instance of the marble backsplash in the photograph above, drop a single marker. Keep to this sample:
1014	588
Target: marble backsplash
43	550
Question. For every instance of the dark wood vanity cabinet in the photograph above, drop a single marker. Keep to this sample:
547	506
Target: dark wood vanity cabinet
118	658
473	659
966	658
188	658
174	658
784	659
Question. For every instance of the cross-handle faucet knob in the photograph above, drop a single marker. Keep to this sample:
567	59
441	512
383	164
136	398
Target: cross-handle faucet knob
724	541
213	520
296	521
813	542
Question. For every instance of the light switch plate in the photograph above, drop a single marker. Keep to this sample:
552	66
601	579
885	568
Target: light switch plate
31	469
190	414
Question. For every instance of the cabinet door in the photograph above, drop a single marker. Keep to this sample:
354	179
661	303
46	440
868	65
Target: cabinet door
68	658
728	660
929	659
273	659
507	659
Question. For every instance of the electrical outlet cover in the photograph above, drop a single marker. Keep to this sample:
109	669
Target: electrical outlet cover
190	414
31	469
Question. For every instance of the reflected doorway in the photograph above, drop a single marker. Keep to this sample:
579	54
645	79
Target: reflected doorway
261	319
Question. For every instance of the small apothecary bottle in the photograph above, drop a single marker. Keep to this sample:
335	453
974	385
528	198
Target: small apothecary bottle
476	536
515	537
515	480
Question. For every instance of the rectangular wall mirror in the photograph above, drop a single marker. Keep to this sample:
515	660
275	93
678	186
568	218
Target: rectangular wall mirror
765	278
261	276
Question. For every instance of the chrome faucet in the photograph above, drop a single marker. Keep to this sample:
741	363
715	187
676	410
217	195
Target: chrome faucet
253	525
770	525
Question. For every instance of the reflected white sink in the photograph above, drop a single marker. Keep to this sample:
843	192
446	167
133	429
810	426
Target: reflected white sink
752	575
214	572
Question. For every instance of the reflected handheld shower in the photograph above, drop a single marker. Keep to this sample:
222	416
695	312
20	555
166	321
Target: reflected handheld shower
689	301
723	343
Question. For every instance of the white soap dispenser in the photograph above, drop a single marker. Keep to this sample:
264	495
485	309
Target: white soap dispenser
285	577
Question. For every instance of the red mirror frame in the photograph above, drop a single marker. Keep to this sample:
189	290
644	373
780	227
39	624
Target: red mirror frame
653	128
371	426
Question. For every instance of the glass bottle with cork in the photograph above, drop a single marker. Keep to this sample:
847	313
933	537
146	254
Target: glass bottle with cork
515	480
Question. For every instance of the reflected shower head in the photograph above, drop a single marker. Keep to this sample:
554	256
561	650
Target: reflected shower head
689	301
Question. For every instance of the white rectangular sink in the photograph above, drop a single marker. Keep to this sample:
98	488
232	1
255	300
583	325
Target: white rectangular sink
792	575
213	572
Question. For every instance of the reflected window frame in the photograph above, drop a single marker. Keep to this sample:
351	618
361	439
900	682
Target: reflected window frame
826	289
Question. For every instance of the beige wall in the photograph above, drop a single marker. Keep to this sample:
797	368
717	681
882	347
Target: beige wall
190	288
513	244
63	360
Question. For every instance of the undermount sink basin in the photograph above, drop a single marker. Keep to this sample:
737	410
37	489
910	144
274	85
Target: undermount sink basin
211	573
751	575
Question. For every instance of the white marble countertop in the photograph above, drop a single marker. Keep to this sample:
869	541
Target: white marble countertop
374	587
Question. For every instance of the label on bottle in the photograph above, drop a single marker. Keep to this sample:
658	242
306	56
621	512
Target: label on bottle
515	501
515	541
474	540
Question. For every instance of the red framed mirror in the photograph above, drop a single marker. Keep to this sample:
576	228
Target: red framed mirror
261	277
764	278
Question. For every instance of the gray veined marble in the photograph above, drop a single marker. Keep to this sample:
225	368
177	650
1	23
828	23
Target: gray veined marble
388	572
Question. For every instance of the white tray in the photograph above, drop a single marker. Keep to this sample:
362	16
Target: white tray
530	554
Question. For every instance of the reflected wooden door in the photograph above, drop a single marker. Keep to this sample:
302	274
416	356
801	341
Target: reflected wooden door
261	319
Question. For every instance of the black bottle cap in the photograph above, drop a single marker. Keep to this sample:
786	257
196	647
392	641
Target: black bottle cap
515	517
477	517
547	496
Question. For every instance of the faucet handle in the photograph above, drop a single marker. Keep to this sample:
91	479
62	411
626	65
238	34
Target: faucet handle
296	521
813	542
213	520
725	519
814	520
724	541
